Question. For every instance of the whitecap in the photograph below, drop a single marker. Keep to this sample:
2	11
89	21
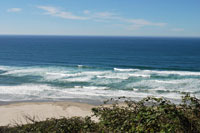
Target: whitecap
139	75
114	77
24	71
26	89
78	79
86	92
125	70
80	66
168	81
94	73
181	73
64	74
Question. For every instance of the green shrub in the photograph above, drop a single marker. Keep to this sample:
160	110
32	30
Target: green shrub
151	115
64	125
148	115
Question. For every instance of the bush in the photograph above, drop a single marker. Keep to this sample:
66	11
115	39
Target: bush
151	115
64	125
148	115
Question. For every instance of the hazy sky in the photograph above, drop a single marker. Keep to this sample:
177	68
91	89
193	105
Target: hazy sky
101	17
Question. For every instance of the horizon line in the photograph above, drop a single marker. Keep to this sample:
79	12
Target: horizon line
99	35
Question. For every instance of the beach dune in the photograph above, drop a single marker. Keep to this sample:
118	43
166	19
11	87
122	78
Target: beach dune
17	112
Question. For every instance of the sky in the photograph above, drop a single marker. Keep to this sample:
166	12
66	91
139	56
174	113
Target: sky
171	18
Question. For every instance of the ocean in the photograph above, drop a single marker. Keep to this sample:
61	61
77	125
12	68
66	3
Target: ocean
87	68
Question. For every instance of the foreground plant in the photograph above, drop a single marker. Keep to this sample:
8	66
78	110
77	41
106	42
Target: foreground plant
151	115
148	115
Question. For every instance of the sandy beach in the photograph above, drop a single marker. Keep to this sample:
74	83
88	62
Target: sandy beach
17	112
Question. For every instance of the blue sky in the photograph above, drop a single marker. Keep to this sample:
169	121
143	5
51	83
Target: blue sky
101	17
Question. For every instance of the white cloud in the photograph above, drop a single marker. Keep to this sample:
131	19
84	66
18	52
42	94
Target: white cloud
129	24
135	24
62	14
14	10
133	27
86	12
143	22
104	15
177	29
48	9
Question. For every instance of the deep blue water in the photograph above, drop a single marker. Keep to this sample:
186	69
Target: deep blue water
61	67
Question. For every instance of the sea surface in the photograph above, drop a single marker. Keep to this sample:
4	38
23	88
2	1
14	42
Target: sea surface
97	68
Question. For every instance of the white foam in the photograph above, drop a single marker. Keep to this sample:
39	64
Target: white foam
24	71
3	68
181	85
106	81
80	66
162	73
135	89
53	76
139	75
160	88
89	92
94	73
168	81
92	87
188	81
26	89
97	80
56	74
101	93
78	79
181	73
85	73
124	77
64	74
125	70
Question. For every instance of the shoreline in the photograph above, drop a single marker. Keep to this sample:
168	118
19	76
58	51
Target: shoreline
16	112
73	100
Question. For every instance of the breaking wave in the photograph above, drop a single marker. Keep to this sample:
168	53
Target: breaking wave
58	82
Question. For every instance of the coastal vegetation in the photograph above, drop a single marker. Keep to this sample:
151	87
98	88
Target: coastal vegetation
151	114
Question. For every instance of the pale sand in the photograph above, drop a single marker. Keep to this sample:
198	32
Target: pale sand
9	114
